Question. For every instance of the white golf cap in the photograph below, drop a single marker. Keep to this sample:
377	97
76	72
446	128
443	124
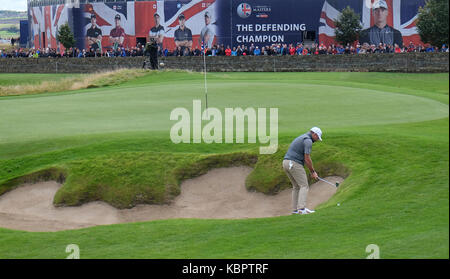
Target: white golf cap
317	131
379	4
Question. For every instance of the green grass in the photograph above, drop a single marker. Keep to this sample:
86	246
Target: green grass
388	134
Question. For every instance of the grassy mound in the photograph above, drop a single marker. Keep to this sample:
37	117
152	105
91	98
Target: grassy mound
55	174
129	178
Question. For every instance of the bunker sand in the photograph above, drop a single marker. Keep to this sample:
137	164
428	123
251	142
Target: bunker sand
220	193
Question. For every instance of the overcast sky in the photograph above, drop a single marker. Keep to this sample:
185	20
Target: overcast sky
13	5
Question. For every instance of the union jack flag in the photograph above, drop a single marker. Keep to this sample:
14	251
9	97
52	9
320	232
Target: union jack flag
45	23
402	16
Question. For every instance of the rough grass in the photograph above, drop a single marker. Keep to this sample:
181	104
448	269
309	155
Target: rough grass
126	179
102	79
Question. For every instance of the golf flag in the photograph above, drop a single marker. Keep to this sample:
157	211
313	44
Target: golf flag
203	48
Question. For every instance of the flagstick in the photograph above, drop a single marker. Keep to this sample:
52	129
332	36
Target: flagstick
206	86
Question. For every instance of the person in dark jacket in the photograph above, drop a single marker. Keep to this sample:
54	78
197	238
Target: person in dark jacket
151	50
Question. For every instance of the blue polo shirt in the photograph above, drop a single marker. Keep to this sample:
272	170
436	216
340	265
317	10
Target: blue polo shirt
299	147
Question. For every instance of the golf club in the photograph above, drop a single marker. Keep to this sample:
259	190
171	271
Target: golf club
337	183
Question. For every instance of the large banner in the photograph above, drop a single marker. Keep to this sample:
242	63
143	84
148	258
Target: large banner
266	22
377	18
187	23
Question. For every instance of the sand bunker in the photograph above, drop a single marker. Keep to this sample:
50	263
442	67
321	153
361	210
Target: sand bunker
220	193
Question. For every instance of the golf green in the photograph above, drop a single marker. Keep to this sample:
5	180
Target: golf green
148	108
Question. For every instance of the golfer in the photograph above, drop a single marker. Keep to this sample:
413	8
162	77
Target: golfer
298	154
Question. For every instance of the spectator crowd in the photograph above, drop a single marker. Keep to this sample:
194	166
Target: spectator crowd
221	50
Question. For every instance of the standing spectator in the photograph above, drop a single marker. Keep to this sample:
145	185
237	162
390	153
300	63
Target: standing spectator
291	50
245	51
257	51
177	51
234	52
264	51
305	51
251	49
239	51
197	51
429	49
228	51
214	50
221	50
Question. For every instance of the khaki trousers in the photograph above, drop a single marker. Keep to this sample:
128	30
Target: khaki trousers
297	175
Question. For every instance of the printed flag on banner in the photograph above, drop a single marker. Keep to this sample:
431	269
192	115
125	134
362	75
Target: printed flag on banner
401	16
114	22
45	23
